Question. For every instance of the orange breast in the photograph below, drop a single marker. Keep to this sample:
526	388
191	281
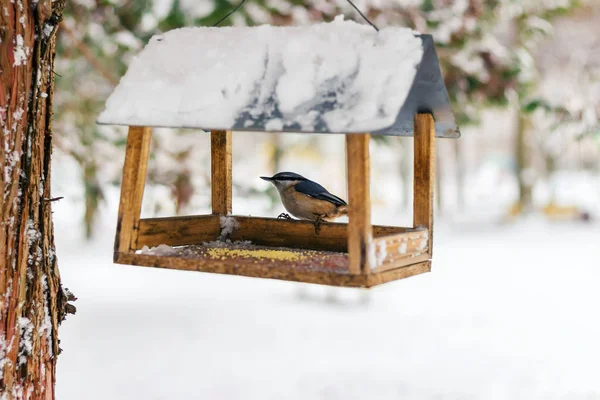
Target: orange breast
306	207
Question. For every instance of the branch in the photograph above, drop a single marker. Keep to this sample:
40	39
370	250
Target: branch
53	199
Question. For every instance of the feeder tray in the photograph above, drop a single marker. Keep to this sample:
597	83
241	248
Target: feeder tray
356	254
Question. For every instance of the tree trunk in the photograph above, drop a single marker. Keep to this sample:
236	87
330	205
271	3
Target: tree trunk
522	162
460	176
32	301
405	172
437	192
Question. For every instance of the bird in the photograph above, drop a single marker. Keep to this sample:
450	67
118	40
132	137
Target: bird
306	199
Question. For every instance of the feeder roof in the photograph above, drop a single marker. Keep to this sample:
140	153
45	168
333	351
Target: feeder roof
338	77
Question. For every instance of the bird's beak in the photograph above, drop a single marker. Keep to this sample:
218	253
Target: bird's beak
266	178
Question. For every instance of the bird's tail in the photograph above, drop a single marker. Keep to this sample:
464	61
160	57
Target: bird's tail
342	210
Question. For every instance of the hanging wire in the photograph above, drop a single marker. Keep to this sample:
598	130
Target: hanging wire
228	14
349	1
363	15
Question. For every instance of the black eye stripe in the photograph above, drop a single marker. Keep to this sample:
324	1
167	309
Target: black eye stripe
289	179
288	176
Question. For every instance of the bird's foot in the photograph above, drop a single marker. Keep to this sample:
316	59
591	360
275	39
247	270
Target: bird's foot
317	224
284	216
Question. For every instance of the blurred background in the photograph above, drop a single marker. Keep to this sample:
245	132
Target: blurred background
508	311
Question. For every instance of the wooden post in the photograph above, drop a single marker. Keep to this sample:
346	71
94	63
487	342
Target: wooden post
424	169
132	188
360	233
220	148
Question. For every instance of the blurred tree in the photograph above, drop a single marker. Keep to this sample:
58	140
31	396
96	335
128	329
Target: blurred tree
32	300
531	24
565	111
485	49
97	43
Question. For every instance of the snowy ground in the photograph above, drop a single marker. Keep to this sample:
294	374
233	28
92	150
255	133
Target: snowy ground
509	312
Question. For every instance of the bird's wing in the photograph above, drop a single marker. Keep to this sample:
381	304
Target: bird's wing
317	191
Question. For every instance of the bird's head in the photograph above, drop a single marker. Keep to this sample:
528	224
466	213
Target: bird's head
283	180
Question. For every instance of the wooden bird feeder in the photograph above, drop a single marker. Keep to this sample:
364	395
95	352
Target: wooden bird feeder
344	78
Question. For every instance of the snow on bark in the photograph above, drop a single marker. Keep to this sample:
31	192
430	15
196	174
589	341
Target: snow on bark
21	52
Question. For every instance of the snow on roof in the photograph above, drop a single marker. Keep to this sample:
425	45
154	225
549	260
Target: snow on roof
330	77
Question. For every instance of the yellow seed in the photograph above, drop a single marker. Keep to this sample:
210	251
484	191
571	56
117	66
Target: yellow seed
222	253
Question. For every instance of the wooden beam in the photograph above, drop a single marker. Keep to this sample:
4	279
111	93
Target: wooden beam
398	273
424	169
132	187
178	231
239	267
360	232
247	267
290	233
197	229
220	148
401	249
300	234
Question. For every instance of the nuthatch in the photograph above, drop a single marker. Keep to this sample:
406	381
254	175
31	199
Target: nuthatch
307	200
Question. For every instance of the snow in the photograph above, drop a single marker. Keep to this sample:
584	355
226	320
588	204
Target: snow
47	30
25	342
46	327
161	249
33	234
3	350
402	248
228	225
422	244
507	313
345	75
228	243
21	52
381	254
161	8
18	114
127	39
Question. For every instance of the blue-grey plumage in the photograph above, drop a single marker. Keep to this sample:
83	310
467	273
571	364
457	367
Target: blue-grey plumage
313	189
305	199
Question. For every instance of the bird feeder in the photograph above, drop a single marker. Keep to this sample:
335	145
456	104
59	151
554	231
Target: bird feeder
331	78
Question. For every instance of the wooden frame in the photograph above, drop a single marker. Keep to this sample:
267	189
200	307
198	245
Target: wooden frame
373	254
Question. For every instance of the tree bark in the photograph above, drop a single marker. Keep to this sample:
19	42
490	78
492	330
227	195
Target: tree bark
32	301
